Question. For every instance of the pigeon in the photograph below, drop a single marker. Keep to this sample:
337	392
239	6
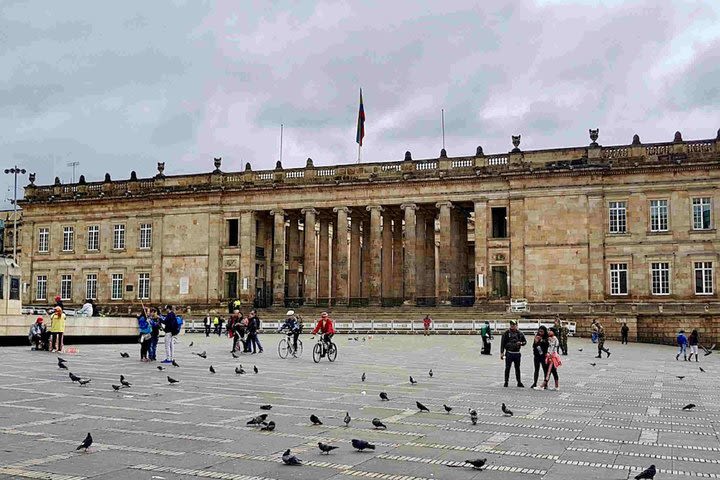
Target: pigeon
473	416
361	445
239	370
680	376
580	349
86	443
362	379
160	367
268	427
257	420
82	382
689	406
315	420
124	382
74	378
191	344
255	369
422	407
447	409
430	373
507	411
265	407
478	463
593	364
212	370
175	364
61	360
384	397
347	419
62	366
647	473
378	424
412	380
116	387
326	448
234	355
289	459
202	355
702	369
707	353
124	355
172	380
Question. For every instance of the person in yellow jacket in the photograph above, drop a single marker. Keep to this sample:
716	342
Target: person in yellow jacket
57	330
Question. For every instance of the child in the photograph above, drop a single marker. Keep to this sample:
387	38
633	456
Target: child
552	359
682	345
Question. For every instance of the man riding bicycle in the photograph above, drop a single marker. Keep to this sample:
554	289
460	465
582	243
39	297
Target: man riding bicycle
293	327
325	327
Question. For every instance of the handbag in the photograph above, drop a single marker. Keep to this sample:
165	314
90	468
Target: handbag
144	337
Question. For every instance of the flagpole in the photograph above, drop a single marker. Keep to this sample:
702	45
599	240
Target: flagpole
442	115
359	147
281	141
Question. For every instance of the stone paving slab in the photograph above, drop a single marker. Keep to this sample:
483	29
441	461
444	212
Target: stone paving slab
608	421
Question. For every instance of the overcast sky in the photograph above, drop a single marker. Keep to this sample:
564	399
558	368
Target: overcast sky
119	86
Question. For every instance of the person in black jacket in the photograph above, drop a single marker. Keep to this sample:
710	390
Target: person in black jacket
172	328
624	333
540	348
512	340
253	327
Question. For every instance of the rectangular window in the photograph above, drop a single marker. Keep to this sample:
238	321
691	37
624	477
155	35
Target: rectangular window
660	277
658	215
119	237
618	217
701	213
618	279
41	287
499	222
68	239
44	240
231	284
93	238
14	288
91	286
66	287
233	232
703	278
117	286
144	286
145	236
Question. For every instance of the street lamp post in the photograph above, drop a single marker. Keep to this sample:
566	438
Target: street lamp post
15	170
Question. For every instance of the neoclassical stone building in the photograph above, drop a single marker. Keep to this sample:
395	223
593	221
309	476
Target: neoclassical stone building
585	225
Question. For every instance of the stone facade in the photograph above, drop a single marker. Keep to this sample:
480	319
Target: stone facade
583	225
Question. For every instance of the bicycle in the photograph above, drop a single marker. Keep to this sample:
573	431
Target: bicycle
285	347
320	350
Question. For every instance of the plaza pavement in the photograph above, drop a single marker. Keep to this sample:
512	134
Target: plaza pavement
608	421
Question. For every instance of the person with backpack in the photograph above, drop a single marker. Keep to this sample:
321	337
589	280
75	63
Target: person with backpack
294	327
172	329
253	328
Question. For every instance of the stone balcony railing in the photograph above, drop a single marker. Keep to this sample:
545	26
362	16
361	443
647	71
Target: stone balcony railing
591	158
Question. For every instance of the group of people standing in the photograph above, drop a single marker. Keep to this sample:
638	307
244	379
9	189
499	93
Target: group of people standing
150	322
52	339
243	329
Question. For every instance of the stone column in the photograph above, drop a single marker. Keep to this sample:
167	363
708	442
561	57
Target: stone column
323	259
409	267
293	239
445	252
397	258
365	260
333	258
420	254
309	265
481	274
278	261
387	255
462	275
247	257
355	256
596	247
517	247
374	256
341	262
430	270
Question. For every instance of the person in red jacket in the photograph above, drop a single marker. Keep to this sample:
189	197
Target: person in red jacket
325	327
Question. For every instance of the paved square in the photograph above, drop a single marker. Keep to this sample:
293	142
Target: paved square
607	421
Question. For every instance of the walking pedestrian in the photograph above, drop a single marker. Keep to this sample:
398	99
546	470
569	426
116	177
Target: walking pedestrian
427	321
564	331
216	326
540	348
253	328
57	330
145	335
512	340
220	325
552	359
172	328
206	324
624	333
601	340
594	336
238	331
682	345
693	343
486	335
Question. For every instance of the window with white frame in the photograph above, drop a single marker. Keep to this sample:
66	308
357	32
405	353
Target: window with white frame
93	238
702	208
658	215
44	240
68	239
144	286
618	217
703	278
146	236
66	287
618	279
660	278
41	287
91	286
119	237
116	292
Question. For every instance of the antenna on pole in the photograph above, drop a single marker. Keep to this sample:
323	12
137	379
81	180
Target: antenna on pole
281	141
73	165
442	122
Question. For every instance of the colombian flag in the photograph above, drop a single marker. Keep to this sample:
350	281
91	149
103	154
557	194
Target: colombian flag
361	122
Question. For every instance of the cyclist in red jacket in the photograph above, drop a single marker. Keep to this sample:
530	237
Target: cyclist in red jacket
325	327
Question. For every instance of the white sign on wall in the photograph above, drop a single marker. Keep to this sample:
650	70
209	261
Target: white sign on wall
184	285
481	280
245	282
